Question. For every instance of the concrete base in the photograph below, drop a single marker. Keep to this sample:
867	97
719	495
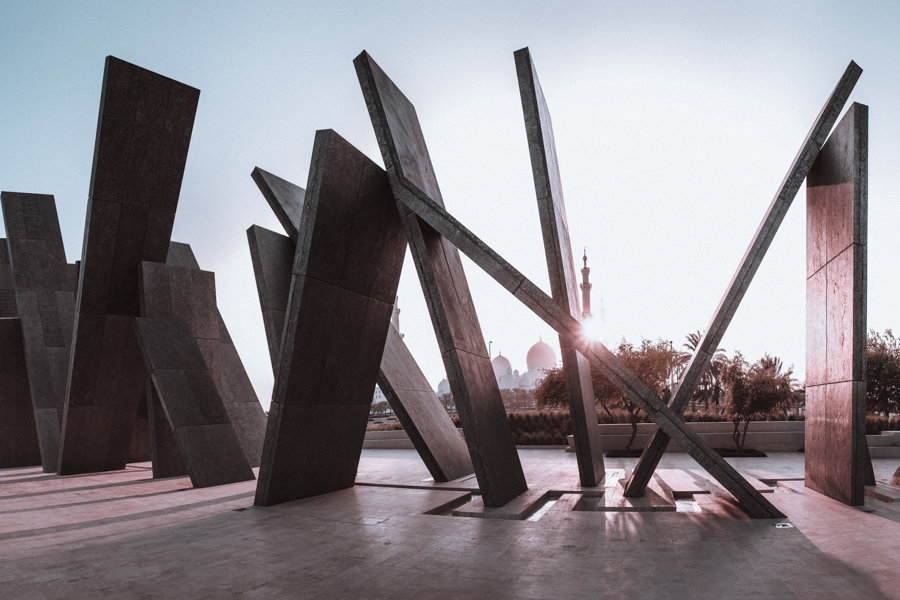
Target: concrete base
123	534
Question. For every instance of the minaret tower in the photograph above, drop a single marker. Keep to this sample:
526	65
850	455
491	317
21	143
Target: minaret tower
585	289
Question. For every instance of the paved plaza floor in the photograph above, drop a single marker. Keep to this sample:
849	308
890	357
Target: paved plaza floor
394	535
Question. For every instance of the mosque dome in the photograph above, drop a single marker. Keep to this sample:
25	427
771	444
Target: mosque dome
539	357
443	387
501	365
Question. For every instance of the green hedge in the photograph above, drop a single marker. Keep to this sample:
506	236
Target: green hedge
550	427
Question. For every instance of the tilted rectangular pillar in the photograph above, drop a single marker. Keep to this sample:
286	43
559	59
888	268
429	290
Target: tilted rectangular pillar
178	307
142	143
563	281
45	296
19	445
836	232
405	387
469	371
349	255
246	413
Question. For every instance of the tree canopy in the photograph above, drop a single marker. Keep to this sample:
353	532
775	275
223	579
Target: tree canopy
882	372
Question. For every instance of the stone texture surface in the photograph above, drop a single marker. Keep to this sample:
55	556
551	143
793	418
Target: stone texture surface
346	270
193	409
284	198
837	464
420	412
406	389
19	445
45	298
443	280
560	265
272	255
246	413
747	268
142	142
443	228
113	534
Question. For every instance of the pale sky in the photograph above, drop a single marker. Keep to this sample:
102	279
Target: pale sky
675	123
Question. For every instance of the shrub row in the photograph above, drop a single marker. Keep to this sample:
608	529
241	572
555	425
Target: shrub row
550	427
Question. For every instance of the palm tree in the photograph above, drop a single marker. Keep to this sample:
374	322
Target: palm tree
710	387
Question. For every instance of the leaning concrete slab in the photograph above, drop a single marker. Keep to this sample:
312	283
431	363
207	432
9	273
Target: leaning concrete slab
349	255
224	362
142	142
45	297
747	268
184	386
836	232
469	371
563	277
285	199
19	445
272	255
413	187
417	407
401	380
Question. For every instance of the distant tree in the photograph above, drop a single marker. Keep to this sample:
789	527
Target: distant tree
551	391
752	390
709	389
517	399
448	402
882	373
380	408
655	363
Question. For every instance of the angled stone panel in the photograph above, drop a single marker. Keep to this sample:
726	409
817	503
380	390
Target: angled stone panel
746	270
284	198
247	415
141	147
421	413
44	287
563	278
404	385
836	190
348	259
469	371
413	197
272	255
165	454
19	445
193	408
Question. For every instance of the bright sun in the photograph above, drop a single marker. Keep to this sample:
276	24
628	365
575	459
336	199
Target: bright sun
592	328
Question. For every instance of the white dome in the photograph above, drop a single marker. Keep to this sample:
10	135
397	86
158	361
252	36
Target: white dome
540	357
501	365
443	387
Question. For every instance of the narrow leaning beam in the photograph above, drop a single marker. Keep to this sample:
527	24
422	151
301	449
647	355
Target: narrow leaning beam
45	296
405	387
142	143
836	239
469	370
747	268
558	250
402	127
348	259
246	413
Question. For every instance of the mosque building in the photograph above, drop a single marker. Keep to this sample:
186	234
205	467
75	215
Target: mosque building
540	357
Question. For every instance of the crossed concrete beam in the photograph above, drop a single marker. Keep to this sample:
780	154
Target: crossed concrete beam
411	175
747	268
